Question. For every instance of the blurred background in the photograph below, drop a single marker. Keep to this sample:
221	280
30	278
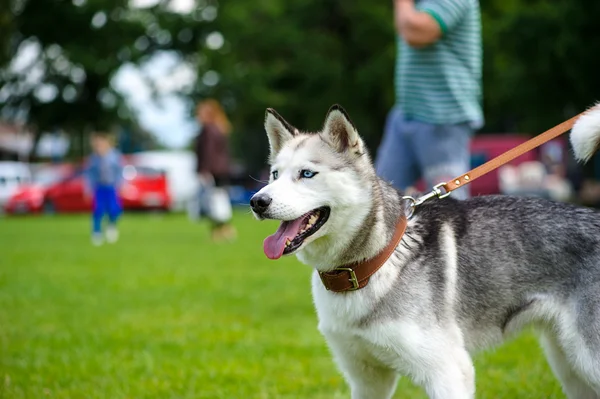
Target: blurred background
165	313
140	66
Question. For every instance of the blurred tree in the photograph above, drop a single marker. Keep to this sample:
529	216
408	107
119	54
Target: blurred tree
540	62
6	21
133	138
59	56
300	57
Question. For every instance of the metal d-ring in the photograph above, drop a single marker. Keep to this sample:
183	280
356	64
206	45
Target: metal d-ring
411	206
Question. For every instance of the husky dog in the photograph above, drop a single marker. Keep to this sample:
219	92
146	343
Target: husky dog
466	275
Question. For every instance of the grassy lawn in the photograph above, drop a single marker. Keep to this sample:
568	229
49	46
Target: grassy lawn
167	314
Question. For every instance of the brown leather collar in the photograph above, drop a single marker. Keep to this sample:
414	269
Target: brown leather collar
355	276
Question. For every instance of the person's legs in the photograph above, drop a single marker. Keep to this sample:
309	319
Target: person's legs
395	161
114	211
443	153
99	206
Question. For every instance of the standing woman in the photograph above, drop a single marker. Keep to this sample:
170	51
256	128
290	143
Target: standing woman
212	154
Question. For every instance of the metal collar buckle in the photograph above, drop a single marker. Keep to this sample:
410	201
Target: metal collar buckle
352	278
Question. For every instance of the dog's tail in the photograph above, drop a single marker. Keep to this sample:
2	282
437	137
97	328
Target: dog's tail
585	135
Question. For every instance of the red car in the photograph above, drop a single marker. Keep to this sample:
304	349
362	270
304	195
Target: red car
62	190
29	198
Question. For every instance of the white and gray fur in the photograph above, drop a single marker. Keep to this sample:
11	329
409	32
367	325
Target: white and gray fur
466	275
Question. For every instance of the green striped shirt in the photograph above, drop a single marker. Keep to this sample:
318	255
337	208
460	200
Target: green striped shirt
441	83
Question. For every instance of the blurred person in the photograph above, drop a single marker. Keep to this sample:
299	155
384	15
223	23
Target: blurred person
213	161
103	178
438	93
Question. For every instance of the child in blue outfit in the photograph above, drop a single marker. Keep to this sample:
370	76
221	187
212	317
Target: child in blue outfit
104	174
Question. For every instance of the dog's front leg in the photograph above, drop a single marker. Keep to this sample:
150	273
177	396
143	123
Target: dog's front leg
451	377
367	378
367	381
435	357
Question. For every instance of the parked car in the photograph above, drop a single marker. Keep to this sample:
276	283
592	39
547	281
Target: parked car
180	168
29	197
12	176
143	188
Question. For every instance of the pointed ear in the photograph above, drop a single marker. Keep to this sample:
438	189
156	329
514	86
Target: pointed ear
341	132
278	131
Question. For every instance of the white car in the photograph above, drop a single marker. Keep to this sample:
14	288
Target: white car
12	175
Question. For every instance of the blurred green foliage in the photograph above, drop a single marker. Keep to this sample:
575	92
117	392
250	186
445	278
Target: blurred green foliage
77	47
540	61
300	57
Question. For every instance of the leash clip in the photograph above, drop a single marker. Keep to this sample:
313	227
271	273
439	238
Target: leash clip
435	192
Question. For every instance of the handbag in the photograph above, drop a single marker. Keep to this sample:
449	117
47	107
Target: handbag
214	201
220	205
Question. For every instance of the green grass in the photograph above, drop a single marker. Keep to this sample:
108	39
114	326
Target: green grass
167	314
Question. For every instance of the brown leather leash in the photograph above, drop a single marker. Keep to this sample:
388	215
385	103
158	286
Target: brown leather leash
495	163
510	155
355	276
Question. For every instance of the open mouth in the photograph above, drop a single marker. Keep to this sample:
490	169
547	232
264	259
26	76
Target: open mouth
291	234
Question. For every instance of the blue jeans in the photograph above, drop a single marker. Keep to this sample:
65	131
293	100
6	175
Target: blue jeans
106	202
411	150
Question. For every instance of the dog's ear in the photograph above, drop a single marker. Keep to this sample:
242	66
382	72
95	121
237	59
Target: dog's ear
278	130
341	132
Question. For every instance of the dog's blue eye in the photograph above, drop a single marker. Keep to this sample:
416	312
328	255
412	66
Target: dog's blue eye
307	174
275	174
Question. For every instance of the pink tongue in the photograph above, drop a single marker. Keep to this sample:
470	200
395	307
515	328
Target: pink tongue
275	244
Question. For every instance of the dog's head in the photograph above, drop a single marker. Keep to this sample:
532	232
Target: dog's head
319	184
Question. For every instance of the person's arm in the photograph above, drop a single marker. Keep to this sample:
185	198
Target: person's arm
426	23
418	28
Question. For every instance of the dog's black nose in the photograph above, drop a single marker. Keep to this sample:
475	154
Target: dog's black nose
260	203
